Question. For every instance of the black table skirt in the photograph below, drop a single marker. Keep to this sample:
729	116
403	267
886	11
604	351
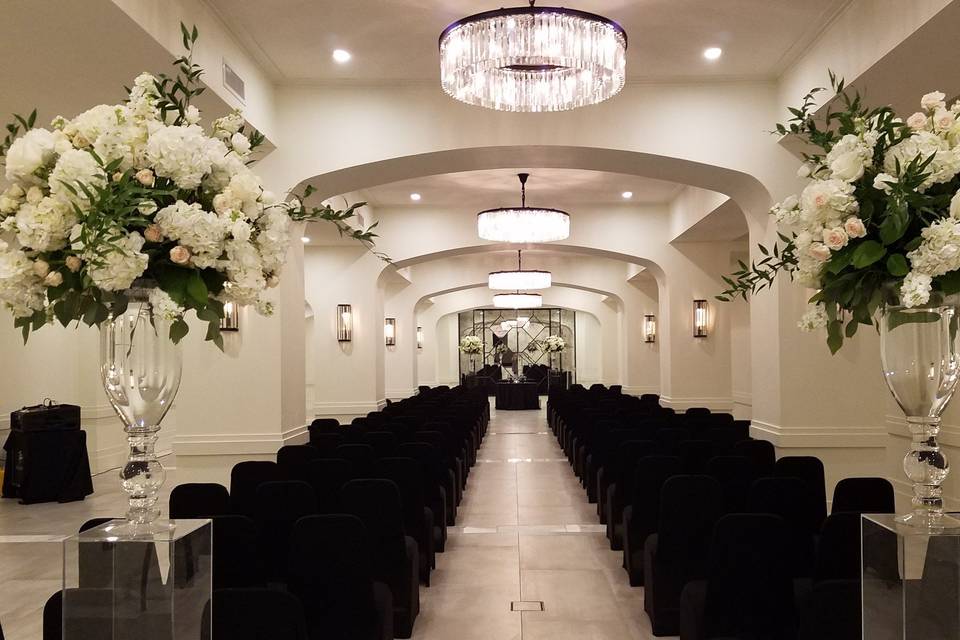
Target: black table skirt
517	395
53	466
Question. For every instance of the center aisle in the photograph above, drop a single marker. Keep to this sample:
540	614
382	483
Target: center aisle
527	534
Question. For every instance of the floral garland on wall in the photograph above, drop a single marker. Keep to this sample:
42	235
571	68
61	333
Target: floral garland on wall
878	225
139	192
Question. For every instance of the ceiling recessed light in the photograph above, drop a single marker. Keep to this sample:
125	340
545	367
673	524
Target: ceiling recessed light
415	197
627	195
712	53
305	239
341	55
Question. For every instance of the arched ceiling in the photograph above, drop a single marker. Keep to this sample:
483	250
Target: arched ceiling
396	40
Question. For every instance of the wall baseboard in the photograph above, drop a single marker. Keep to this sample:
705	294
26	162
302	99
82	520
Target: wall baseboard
682	404
743	398
400	394
639	391
827	437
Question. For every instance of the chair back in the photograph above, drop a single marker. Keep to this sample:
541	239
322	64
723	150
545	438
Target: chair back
254	614
199	500
810	470
245	477
863	495
236	562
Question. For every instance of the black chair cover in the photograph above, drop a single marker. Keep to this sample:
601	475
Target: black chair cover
199	500
641	516
236	560
245	477
863	495
278	505
810	470
255	614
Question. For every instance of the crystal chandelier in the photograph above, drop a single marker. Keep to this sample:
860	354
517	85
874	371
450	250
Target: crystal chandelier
533	59
523	223
518	300
519	279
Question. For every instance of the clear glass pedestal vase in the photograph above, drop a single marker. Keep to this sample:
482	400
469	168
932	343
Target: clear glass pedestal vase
921	366
140	368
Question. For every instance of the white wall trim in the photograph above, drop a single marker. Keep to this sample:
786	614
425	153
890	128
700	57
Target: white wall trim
400	394
682	404
227	443
744	398
827	437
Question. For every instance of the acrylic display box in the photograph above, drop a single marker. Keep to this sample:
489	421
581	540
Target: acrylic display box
911	580
119	585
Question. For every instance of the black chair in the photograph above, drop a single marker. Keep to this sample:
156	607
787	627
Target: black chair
278	505
294	458
863	495
748	592
326	443
199	500
323	425
695	454
89	609
255	614
236	558
832	612
678	552
622	470
838	549
791	499
384	443
441	481
245	477
362	457
761	452
329	568
669	439
327	476
394	554
640	517
407	474
736	475
810	470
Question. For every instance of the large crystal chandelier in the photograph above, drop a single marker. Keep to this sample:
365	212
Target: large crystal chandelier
533	59
523	223
518	300
518	279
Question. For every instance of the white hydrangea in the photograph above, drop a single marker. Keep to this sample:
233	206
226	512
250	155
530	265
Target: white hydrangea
203	232
825	203
924	144
118	269
179	153
126	141
164	306
245	271
21	290
265	308
225	127
223	165
274	238
73	168
939	252
787	212
955	206
850	156
45	226
915	290
87	127
34	149
814	318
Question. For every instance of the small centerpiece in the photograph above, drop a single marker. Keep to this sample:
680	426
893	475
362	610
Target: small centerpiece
876	232
472	346
554	344
130	216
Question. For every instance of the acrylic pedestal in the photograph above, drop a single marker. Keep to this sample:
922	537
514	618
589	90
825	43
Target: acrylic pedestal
911	580
120	584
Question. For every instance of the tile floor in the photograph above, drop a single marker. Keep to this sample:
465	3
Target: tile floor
525	533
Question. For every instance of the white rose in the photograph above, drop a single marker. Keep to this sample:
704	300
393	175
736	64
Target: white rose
835	239
882	182
240	231
854	227
917	121
240	143
943	120
41	268
955	206
819	251
53	279
34	195
803	171
933	100
192	115
222	203
847	166
29	152
145	177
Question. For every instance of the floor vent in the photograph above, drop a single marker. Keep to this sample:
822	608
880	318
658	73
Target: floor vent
526	605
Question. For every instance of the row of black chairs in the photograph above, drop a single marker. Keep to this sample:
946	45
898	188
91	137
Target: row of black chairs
727	540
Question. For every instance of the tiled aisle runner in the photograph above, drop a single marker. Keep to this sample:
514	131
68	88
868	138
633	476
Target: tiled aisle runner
526	534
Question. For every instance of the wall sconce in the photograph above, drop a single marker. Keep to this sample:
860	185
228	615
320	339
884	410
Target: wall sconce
649	328
231	317
419	337
344	323
390	331
700	318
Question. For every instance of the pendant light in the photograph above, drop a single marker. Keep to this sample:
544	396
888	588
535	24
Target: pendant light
523	223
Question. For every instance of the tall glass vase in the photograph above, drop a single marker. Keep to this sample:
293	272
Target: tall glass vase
140	368
920	353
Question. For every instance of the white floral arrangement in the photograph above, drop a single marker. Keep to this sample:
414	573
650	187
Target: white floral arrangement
471	345
878	225
139	192
554	344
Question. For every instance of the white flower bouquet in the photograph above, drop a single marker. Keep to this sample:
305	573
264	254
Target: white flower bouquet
878	225
554	344
471	345
139	192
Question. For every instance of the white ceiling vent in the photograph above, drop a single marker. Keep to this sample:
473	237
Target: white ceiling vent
233	81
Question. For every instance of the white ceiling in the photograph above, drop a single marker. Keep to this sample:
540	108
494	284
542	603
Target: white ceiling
557	188
396	40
